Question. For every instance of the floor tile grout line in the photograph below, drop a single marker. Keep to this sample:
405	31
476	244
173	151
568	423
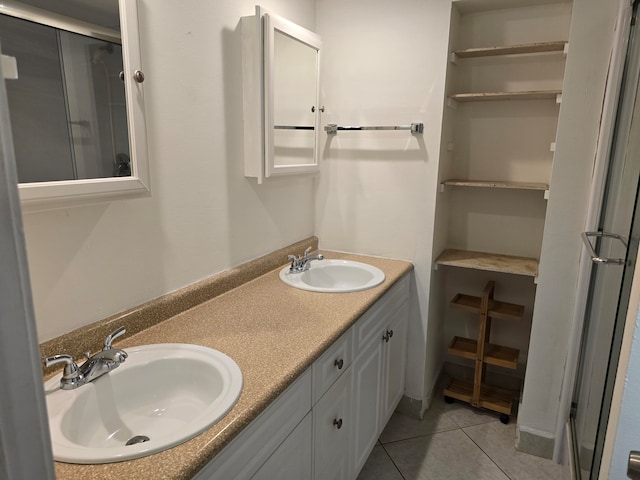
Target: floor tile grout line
393	461
488	456
419	436
472	425
447	413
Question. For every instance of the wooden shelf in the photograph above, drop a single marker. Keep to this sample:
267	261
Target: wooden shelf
491	262
494	354
501	96
497	309
521	49
492	398
454	182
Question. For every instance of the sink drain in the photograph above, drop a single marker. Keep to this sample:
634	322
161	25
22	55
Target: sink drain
137	439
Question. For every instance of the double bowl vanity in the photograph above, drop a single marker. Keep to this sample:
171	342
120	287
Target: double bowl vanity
263	381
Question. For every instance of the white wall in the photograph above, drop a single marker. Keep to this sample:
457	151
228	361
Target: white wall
203	217
590	44
384	63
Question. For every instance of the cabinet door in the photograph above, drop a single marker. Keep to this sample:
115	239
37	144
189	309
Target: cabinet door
242	458
331	431
292	459
395	362
367	398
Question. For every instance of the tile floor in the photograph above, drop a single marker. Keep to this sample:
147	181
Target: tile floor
454	441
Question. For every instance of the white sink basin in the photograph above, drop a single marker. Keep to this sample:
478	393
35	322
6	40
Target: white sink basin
168	393
334	276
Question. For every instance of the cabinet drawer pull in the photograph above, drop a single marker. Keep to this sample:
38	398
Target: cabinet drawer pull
339	363
338	423
390	333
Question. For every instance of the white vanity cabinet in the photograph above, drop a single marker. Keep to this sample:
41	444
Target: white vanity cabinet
325	425
380	338
261	440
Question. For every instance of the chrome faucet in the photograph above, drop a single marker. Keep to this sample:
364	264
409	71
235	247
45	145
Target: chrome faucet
301	264
74	376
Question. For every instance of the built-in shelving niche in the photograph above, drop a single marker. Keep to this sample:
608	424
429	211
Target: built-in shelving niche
504	91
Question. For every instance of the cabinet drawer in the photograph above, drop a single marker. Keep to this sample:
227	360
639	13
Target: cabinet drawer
371	325
328	368
242	458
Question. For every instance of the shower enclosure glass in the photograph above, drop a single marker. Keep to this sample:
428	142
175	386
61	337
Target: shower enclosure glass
67	107
617	243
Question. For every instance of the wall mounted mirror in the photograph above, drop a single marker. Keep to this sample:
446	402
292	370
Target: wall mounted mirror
76	105
281	71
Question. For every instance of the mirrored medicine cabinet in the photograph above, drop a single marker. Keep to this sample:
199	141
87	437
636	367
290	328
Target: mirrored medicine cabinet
75	99
281	111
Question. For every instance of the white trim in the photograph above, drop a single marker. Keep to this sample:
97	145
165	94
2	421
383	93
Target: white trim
24	436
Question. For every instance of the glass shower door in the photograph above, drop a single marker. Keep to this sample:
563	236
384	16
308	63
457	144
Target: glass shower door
614	249
67	108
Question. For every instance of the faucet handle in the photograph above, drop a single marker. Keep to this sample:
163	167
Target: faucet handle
112	336
306	252
70	367
294	261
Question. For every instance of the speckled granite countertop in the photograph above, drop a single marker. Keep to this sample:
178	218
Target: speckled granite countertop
274	333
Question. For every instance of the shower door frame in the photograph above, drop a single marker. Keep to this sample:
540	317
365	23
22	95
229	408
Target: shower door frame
617	151
562	447
25	446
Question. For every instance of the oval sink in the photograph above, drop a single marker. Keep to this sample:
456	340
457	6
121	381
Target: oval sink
163	395
334	276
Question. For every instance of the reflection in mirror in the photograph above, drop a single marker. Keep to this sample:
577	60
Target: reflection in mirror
291	93
77	104
67	107
294	106
70	100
